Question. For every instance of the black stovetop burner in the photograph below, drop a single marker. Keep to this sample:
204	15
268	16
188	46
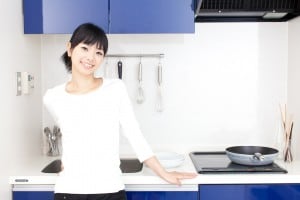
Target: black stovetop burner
218	162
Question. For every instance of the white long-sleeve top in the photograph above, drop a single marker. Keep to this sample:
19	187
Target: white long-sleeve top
90	125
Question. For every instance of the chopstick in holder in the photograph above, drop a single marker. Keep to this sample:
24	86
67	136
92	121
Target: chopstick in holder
291	130
290	142
288	152
287	123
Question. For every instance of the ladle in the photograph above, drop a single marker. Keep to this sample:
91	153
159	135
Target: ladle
140	97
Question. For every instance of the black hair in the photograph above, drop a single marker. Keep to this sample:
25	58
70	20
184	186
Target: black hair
89	34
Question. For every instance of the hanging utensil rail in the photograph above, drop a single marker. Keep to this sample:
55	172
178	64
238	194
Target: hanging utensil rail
136	55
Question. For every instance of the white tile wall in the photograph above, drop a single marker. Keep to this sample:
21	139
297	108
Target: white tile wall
221	86
294	81
20	116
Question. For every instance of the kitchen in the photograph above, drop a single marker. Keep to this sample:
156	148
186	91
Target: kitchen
204	107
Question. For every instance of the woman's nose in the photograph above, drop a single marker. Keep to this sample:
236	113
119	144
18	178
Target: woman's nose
91	55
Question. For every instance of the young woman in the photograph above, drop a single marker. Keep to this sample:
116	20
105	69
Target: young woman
90	112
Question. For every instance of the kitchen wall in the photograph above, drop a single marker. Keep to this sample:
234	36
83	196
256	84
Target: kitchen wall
221	86
20	116
294	81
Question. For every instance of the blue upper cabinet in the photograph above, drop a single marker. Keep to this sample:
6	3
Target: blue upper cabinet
33	16
114	16
63	16
152	16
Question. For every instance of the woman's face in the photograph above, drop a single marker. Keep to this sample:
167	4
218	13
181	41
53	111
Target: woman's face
86	59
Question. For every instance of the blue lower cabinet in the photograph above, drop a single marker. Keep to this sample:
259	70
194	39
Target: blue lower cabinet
33	195
250	192
162	195
222	192
206	192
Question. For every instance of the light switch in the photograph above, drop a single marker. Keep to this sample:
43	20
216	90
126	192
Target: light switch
19	83
25	82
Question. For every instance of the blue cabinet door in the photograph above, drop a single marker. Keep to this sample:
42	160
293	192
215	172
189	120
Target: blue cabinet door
224	192
114	16
33	16
250	192
162	195
273	192
48	195
33	195
152	16
63	16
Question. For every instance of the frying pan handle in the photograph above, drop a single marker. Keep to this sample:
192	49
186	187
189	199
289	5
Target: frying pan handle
258	156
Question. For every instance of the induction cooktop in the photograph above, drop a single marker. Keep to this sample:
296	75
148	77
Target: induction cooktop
218	162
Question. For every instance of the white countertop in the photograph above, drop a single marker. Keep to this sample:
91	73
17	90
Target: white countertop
31	174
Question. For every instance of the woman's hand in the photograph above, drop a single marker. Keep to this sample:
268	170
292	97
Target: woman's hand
171	177
176	177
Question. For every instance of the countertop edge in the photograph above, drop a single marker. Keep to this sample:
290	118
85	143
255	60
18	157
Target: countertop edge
32	175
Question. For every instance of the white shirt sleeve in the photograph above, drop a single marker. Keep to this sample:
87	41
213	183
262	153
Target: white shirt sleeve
131	128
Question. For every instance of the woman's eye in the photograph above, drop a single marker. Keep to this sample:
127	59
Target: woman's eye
99	53
84	48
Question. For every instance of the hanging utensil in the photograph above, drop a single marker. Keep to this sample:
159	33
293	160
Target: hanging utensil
159	81
55	139
140	97
120	66
58	141
48	134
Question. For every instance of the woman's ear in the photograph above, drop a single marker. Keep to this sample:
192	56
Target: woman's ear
69	49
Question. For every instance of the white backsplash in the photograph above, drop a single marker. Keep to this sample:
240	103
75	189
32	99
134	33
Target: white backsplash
221	86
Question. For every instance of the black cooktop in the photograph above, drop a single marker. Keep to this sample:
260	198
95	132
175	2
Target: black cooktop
218	162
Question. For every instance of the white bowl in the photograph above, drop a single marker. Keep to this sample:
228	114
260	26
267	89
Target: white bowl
170	159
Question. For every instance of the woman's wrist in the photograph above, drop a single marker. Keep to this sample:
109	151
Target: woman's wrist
155	165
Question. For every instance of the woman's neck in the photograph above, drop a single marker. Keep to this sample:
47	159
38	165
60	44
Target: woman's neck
81	85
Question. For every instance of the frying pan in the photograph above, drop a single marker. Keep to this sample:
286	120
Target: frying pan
251	155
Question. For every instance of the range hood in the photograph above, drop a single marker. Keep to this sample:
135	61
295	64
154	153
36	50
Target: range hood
246	10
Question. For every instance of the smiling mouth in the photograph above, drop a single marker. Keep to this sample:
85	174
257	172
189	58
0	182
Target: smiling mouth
87	66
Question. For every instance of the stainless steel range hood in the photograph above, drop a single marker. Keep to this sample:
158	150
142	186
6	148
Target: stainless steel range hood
246	10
